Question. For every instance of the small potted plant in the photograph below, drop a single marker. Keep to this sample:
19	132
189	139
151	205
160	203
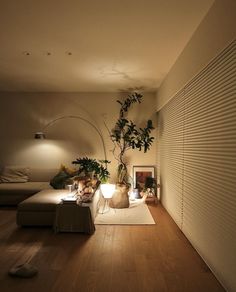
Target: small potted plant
89	175
150	188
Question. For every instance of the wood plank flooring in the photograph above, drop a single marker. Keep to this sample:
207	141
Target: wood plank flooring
116	258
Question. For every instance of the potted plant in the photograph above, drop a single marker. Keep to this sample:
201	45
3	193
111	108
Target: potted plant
150	189
92	168
127	135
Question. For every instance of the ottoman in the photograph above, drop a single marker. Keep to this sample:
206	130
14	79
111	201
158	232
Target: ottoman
46	209
39	209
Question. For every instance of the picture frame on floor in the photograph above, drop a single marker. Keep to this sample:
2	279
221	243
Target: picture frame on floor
140	174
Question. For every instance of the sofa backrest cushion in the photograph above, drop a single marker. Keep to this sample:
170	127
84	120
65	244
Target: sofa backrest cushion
42	174
14	174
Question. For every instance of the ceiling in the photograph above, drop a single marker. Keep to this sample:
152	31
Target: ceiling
93	45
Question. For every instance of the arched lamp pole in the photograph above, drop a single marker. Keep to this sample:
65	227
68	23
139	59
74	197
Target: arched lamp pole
41	134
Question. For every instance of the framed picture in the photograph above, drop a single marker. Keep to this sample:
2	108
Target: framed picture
140	174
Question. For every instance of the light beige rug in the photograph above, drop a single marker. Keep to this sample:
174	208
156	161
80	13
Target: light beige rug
137	214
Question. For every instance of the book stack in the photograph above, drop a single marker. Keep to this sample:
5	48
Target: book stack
69	199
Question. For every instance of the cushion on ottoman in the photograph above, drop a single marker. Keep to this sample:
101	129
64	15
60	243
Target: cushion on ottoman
45	200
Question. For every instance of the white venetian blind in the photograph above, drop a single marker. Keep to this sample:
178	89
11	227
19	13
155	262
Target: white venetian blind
171	157
208	160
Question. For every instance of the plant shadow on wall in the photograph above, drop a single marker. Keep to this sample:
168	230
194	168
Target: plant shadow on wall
126	135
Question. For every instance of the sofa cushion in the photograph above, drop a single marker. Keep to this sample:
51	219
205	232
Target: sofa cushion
45	200
41	174
14	174
27	188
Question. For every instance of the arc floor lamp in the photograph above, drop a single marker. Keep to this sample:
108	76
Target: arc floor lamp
42	135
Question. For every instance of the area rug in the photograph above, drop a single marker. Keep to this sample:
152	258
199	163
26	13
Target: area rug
137	214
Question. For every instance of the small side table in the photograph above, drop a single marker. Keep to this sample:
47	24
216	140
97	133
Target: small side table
71	217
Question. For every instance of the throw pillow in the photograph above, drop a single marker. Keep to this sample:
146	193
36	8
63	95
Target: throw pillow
14	174
59	181
69	171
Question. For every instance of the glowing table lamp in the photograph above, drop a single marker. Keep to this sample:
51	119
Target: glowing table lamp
108	190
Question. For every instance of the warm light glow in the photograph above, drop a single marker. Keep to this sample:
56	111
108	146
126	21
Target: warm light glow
41	154
108	190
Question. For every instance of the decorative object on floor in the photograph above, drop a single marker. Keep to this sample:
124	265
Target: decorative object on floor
145	182
150	188
137	214
140	174
120	198
135	194
41	134
125	135
25	270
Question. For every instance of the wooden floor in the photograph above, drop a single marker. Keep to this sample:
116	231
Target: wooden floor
116	258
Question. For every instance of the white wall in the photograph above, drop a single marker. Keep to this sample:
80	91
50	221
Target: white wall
215	32
22	114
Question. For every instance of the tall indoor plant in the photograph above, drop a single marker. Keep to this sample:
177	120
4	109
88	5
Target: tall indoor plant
127	135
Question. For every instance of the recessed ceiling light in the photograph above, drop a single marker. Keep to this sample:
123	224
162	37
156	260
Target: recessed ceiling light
26	53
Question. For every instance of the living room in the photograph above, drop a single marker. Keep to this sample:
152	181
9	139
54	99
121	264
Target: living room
76	59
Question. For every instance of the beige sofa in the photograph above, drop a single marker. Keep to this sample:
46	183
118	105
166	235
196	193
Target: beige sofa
37	202
14	193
